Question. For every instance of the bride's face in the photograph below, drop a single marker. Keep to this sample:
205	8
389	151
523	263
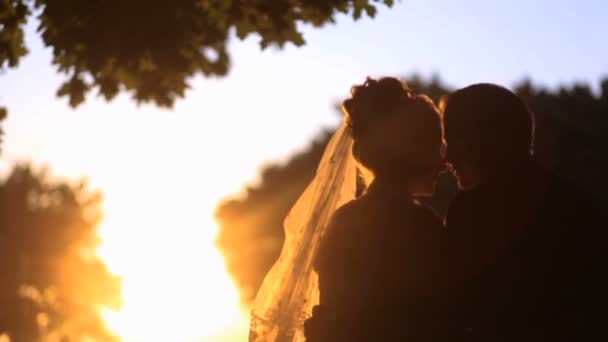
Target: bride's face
426	183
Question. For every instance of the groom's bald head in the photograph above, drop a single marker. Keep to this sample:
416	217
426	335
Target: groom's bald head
488	127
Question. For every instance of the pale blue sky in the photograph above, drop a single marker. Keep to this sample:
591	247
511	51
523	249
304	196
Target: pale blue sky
273	102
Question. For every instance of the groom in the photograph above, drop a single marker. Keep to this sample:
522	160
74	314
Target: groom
525	251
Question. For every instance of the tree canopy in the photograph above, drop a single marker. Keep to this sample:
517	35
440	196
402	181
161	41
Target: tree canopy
2	117
52	283
152	48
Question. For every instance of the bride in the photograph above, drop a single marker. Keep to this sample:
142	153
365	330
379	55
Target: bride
365	271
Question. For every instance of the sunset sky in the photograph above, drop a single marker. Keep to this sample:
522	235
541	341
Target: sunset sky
274	101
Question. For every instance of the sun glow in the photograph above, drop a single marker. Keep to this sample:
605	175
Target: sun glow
162	176
174	285
158	234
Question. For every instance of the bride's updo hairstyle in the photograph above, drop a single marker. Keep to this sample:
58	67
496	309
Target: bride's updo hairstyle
396	133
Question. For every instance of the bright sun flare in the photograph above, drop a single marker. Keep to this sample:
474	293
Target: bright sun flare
174	284
161	182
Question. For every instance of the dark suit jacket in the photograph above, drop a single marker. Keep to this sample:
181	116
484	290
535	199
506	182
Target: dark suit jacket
526	259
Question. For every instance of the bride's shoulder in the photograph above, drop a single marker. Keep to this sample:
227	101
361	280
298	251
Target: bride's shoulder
339	233
345	216
349	209
353	213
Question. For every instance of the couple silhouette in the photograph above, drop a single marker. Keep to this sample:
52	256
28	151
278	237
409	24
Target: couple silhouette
519	256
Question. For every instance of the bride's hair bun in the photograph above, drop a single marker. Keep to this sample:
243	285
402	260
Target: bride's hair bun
373	100
394	131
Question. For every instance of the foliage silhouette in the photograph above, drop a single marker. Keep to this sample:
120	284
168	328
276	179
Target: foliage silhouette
152	48
52	283
570	133
570	125
3	113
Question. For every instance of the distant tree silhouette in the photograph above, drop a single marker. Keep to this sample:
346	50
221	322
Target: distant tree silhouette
252	228
571	123
572	126
151	48
52	284
3	113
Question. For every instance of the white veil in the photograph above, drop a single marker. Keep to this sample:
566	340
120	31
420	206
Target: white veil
290	289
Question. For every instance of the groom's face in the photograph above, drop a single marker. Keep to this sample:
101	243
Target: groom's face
464	172
465	176
456	152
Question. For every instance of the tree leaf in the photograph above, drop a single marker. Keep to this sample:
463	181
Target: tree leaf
154	49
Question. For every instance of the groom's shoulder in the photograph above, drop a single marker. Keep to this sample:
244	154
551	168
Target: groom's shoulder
569	201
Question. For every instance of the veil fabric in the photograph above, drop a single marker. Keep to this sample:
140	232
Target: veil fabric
290	289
